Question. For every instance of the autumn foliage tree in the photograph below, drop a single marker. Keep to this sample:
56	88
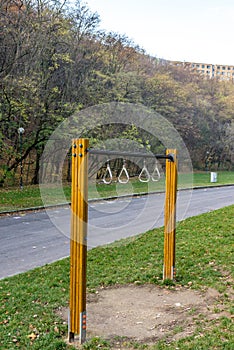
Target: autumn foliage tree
55	60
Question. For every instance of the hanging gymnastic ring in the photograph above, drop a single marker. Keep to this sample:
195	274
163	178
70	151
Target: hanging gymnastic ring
123	170
108	171
144	170
156	170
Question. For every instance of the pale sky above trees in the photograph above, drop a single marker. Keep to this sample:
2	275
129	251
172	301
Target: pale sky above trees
184	30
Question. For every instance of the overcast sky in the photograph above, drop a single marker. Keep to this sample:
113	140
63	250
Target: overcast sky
185	30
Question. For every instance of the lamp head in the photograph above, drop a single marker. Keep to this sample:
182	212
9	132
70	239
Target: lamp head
21	130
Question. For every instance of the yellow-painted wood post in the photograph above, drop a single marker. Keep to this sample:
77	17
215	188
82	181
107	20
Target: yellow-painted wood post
170	216
78	242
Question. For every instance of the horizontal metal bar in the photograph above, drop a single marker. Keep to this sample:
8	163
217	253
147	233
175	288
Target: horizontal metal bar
130	154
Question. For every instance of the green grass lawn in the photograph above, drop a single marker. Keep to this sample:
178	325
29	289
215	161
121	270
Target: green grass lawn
204	258
30	196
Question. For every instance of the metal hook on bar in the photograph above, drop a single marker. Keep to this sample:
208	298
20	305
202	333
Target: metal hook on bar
123	170
156	173
144	174
107	174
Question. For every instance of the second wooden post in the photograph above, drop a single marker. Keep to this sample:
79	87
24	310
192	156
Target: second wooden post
170	216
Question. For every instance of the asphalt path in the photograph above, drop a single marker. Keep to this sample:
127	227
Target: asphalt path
29	240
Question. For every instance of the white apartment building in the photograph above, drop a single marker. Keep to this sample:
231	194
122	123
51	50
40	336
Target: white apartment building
221	72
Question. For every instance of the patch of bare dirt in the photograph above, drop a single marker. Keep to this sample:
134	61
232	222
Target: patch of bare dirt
147	313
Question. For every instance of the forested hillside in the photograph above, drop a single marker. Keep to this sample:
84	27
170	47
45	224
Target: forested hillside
54	60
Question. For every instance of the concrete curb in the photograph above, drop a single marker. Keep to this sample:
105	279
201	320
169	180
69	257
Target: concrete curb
94	200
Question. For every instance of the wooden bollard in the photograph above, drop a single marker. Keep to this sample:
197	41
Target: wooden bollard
78	241
170	216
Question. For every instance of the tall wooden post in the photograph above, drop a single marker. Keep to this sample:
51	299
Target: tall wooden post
78	243
170	216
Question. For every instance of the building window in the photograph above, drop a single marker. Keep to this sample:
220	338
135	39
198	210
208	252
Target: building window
218	67
223	68
198	65
203	66
229	68
208	66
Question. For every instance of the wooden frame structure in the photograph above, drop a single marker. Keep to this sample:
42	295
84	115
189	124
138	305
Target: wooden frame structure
79	220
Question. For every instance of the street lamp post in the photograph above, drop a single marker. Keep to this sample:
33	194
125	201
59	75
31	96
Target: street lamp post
207	160
20	132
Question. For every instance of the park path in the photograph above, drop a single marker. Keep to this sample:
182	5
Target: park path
29	240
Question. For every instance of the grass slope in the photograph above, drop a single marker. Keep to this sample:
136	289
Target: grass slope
204	258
